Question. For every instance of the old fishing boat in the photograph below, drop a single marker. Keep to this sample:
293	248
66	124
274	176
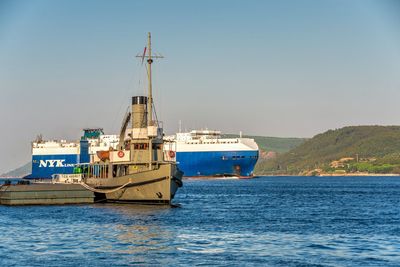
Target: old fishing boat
136	171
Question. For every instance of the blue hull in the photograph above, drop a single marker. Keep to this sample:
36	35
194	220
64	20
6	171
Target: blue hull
216	163
43	166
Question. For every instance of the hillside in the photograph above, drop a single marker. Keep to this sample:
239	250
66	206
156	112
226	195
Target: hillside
276	144
346	150
19	172
267	144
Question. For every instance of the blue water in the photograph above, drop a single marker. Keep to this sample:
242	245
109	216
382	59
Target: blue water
269	221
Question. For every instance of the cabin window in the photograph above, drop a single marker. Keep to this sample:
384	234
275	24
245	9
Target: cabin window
140	146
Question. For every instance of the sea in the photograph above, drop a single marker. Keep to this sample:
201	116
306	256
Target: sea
265	221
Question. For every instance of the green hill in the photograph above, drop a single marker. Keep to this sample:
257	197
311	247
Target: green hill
367	149
276	144
266	144
19	172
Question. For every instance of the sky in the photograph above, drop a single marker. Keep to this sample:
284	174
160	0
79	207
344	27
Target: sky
269	68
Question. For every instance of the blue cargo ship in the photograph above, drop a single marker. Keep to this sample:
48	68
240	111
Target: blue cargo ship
199	153
207	153
61	157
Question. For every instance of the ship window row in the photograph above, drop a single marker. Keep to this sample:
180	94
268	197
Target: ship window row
238	157
140	146
208	143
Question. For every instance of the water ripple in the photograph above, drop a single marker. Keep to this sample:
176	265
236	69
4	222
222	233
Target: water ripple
270	221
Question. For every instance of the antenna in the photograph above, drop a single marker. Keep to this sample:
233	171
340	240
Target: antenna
150	121
180	126
149	57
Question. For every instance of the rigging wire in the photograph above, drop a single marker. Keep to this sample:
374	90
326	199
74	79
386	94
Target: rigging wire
154	106
125	95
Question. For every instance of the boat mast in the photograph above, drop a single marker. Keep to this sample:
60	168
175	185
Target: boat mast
150	121
150	101
150	97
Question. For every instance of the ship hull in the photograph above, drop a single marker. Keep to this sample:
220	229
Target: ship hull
193	164
217	163
149	187
44	166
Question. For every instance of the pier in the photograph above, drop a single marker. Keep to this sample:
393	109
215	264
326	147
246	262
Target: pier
45	194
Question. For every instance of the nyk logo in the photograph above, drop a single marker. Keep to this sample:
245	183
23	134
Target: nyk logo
54	163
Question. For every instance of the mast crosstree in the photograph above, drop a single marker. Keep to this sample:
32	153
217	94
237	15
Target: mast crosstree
150	122
147	53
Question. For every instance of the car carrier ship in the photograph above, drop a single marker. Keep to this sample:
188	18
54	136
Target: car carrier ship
199	153
61	157
206	153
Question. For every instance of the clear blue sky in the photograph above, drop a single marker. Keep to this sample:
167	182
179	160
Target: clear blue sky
274	68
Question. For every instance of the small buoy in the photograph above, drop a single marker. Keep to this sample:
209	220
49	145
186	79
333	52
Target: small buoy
171	154
121	154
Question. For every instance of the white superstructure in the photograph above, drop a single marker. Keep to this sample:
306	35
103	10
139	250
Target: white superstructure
54	147
207	140
61	147
104	142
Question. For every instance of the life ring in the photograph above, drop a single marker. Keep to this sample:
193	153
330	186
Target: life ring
121	154
171	154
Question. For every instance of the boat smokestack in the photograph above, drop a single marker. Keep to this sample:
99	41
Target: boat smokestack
139	112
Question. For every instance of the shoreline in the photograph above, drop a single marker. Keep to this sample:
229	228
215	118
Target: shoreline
331	175
358	174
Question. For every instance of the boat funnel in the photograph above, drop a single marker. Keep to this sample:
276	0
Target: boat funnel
139	112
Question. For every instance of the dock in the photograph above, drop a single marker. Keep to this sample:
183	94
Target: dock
45	194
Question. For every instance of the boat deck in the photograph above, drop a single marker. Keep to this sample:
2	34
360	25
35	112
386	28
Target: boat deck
45	194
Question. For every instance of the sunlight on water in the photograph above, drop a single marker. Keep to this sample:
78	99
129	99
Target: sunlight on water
270	221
